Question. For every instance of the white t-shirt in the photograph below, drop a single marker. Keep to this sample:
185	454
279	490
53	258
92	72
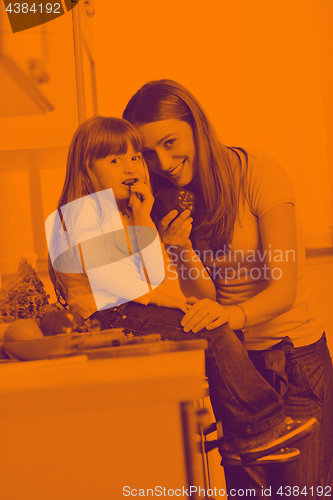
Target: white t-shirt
106	266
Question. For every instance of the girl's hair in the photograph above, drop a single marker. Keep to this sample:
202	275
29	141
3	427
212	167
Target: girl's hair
165	100
97	137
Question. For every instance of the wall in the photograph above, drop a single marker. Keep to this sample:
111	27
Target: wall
30	183
320	279
262	70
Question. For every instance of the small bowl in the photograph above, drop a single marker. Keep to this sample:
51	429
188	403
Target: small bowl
28	350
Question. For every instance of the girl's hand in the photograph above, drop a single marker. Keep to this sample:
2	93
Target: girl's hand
141	200
204	313
175	303
178	232
161	299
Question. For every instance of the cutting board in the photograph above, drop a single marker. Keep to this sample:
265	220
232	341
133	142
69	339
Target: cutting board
142	349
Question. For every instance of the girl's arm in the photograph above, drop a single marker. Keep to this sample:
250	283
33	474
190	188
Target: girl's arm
193	277
161	299
150	251
278	233
151	256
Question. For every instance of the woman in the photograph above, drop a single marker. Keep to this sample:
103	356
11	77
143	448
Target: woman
245	231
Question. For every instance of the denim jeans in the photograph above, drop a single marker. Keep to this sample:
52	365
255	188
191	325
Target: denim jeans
247	405
304	378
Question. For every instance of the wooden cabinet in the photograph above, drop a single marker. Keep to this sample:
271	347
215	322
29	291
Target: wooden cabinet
48	82
42	107
23	70
53	99
85	59
82	430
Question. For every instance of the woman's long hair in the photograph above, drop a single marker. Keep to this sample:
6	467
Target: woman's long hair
164	100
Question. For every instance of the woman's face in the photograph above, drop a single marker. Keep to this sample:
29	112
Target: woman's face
118	171
169	150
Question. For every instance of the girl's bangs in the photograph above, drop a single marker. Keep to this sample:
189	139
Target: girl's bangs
113	138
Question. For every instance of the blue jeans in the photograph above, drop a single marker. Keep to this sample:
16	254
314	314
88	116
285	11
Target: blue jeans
304	378
247	405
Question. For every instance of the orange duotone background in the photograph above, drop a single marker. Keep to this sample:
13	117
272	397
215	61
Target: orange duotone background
263	72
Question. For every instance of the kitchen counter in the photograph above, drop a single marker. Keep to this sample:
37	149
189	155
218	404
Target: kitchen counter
74	428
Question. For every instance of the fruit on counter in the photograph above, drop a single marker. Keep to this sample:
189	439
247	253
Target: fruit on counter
56	322
22	329
3	328
173	199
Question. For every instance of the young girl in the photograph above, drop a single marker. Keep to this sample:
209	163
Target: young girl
103	241
107	264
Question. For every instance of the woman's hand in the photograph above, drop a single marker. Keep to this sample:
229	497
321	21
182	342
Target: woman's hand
177	233
141	201
204	313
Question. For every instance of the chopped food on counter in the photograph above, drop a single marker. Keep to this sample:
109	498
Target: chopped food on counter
24	296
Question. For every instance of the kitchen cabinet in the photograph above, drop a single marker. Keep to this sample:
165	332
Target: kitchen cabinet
85	59
23	68
48	83
52	45
80	430
40	122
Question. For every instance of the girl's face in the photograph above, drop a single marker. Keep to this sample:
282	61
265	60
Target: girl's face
115	171
169	150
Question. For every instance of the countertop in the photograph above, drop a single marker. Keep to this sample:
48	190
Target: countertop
47	384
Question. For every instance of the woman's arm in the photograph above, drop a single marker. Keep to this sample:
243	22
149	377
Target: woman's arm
194	279
278	233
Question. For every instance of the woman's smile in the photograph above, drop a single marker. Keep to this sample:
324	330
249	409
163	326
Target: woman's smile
169	150
176	171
